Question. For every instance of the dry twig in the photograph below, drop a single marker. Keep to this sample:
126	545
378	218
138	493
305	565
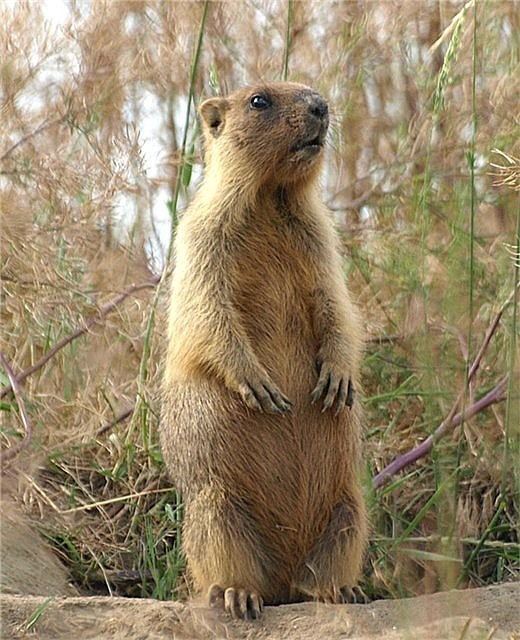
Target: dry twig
453	419
43	127
119	418
14	450
497	394
79	331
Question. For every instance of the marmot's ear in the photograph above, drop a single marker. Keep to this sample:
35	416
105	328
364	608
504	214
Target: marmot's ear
213	114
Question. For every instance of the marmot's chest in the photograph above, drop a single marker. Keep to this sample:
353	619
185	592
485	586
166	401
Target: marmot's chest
273	259
272	281
276	244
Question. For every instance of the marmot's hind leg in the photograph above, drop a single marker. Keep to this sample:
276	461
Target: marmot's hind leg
225	557
332	569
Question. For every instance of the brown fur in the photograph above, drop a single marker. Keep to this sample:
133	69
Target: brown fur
272	501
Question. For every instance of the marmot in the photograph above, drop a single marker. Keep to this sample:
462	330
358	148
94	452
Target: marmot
261	427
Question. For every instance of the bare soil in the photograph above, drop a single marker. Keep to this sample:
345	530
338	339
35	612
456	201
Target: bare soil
477	614
38	603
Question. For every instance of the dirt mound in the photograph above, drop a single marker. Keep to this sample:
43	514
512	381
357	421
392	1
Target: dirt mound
27	564
476	614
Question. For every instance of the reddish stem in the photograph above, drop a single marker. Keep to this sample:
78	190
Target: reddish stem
497	394
83	328
14	450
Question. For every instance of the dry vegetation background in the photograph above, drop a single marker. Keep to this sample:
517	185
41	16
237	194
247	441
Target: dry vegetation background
99	152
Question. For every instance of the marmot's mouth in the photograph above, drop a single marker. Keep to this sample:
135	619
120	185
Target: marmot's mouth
313	144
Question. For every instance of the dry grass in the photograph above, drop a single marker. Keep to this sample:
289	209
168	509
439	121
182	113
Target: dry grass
96	158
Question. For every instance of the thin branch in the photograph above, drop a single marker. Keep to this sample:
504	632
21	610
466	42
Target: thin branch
24	139
357	202
14	450
129	496
79	331
489	334
452	419
436	539
384	339
497	394
119	418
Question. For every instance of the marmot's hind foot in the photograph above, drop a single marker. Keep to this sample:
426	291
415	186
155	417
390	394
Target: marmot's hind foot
345	595
353	595
238	603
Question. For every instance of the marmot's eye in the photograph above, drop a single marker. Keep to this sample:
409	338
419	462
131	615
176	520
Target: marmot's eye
259	102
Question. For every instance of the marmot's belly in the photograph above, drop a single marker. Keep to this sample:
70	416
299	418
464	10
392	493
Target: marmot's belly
291	469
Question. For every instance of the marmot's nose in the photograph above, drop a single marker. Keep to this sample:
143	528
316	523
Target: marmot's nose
318	107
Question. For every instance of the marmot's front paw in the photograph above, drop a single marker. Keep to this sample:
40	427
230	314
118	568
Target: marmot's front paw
337	388
263	395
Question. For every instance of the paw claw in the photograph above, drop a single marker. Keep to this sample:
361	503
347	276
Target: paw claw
353	595
238	603
350	394
215	595
337	392
264	395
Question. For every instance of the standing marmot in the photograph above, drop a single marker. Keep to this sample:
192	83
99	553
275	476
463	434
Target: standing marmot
260	429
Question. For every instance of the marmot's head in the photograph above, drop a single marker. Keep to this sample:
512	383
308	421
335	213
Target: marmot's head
274	132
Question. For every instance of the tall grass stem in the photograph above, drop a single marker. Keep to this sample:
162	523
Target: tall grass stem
288	40
143	366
